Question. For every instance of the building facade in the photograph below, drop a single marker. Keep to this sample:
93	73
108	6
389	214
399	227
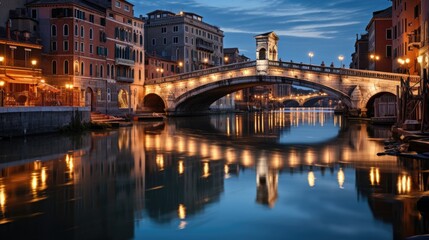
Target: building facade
406	34
184	38
156	67
380	40
360	58
92	50
423	60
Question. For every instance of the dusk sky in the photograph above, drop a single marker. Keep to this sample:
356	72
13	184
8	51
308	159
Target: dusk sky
327	28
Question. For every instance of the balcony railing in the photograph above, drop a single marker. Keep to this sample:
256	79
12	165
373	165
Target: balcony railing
414	40
124	62
125	79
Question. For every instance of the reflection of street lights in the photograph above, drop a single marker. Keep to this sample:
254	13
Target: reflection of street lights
2	83
374	58
341	58
311	55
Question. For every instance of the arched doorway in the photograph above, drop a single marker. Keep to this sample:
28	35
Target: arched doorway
123	99
262	54
90	100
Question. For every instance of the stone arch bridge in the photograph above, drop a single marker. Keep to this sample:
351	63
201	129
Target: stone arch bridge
194	92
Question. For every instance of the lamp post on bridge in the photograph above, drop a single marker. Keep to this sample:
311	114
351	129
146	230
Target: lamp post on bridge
374	58
341	58
311	55
405	87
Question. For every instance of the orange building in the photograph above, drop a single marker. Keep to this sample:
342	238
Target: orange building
406	34
380	40
94	50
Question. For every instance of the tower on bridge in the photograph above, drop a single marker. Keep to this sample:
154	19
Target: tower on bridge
266	50
266	46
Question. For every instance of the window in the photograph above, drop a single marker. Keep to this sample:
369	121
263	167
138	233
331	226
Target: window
54	67
33	13
388	51
175	40
127	8
54	46
76	30
389	33
91	33
66	67
175	28
66	30
91	18
163	30
109	95
82	47
90	69
417	11
65	46
82	31
165	41
186	29
76	46
117	4
153	41
82	68
90	48
108	71
102	21
101	71
53	30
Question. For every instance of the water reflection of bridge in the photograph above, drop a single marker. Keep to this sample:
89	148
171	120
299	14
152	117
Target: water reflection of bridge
111	179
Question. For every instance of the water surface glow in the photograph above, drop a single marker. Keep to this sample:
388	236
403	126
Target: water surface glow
278	175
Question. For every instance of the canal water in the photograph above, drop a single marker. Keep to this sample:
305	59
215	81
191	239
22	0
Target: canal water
301	174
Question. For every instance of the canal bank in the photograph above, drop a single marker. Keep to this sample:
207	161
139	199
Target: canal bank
22	121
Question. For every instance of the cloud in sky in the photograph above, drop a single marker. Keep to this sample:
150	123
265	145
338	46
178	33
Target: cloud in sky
328	25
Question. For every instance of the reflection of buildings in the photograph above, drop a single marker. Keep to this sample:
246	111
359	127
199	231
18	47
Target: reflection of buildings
392	195
266	184
181	185
94	190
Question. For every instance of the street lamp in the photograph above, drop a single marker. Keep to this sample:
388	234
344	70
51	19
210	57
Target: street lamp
1	60
180	65
311	55
69	87
402	62
374	58
226	60
341	58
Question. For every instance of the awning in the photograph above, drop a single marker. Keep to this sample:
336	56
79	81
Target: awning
47	87
23	79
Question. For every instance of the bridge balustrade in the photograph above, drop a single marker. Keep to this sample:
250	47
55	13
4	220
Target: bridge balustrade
344	71
200	73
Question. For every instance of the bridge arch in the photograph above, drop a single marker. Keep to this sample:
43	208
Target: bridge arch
386	102
153	103
200	98
291	103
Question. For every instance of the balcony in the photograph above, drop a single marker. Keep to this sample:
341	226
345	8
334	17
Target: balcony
204	45
124	62
124	79
414	41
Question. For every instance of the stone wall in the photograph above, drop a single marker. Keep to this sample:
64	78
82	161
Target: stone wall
21	121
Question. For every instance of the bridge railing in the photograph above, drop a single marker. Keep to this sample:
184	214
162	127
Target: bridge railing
345	71
200	73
